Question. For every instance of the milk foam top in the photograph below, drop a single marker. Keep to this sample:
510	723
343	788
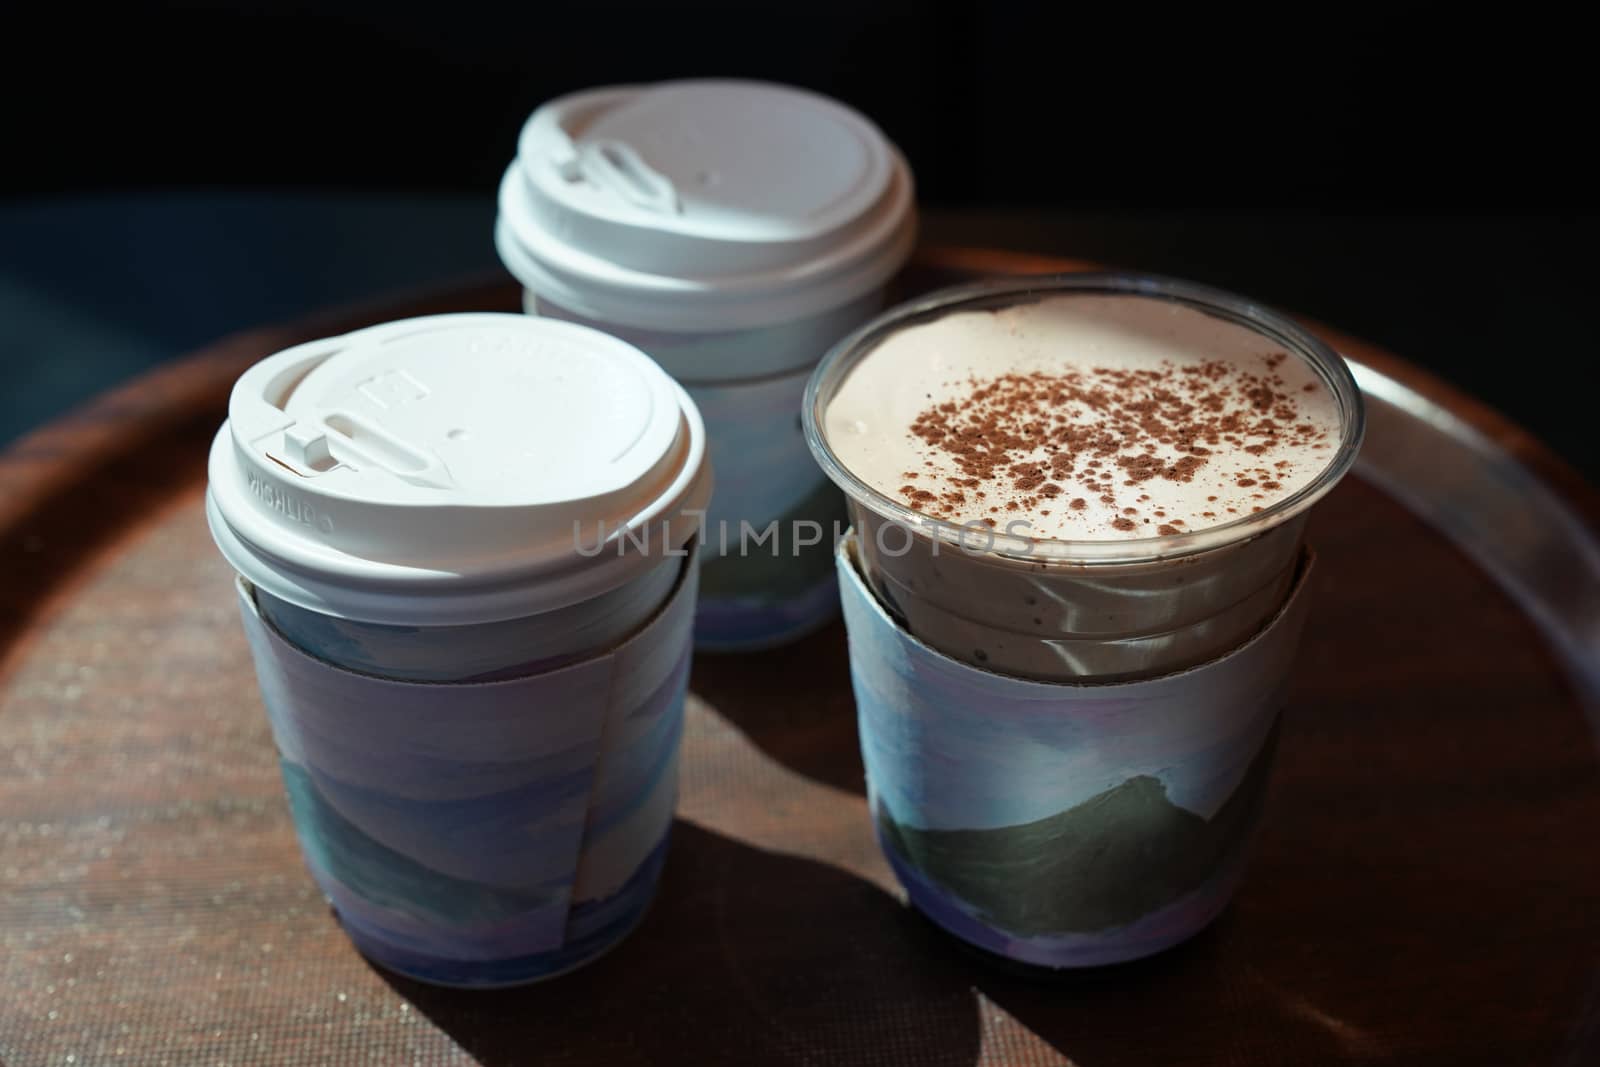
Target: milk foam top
1086	416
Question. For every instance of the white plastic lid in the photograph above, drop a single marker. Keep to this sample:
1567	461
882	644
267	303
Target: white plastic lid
703	205
455	469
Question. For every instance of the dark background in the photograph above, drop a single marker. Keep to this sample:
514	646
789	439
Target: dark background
180	170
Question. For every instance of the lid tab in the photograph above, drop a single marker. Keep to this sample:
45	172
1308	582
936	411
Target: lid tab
614	166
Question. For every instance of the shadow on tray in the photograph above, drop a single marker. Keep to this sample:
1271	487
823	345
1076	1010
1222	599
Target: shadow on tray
794	703
747	957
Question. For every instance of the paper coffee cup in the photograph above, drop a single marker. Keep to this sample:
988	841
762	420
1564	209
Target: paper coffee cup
1083	610
466	549
732	230
1064	825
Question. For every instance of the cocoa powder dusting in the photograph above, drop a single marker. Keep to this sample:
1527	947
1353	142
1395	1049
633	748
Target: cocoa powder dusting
1030	437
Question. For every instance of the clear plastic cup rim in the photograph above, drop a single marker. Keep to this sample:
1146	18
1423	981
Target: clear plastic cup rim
978	539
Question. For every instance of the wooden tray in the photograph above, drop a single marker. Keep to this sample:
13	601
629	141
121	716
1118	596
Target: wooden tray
1426	889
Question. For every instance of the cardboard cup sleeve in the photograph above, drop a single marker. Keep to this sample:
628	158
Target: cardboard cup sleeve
484	833
1064	825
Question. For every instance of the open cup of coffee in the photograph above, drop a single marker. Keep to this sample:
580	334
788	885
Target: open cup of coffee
466	557
732	230
1073	591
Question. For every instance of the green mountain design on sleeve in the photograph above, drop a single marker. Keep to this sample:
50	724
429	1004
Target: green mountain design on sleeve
1104	863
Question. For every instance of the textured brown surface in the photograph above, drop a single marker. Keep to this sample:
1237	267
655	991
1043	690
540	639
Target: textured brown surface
1424	891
